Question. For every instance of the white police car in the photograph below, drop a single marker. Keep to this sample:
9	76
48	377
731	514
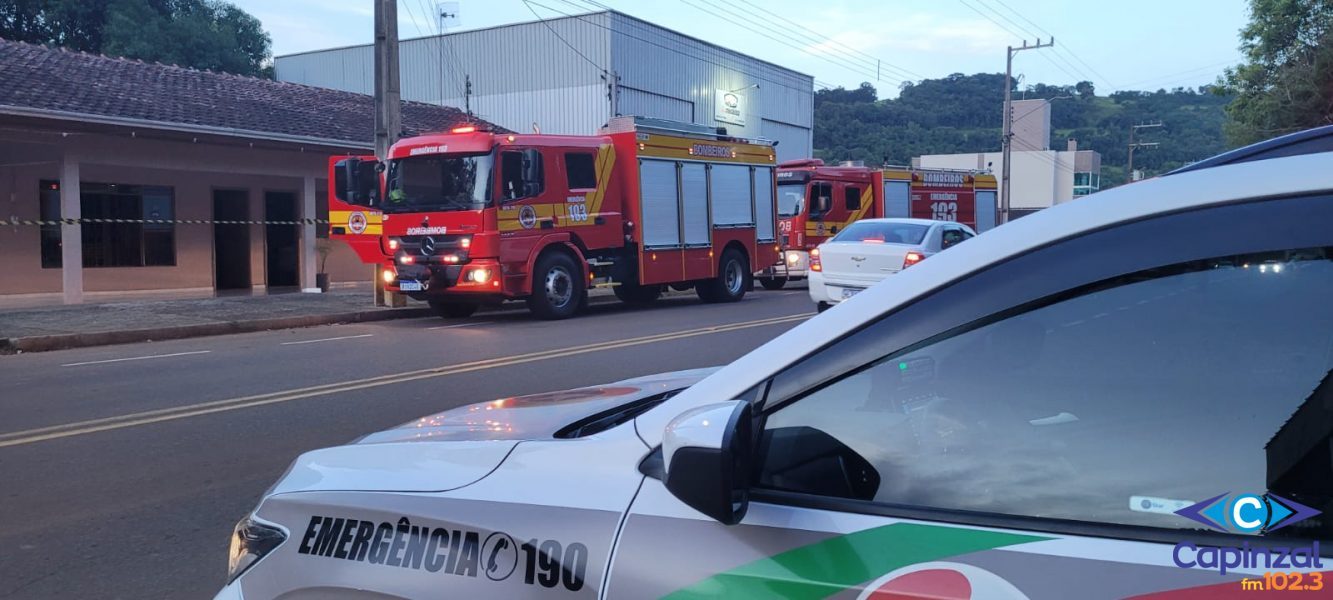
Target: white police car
1125	395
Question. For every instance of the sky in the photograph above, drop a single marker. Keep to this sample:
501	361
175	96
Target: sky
1123	45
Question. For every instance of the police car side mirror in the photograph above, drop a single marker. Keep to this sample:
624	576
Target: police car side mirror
707	452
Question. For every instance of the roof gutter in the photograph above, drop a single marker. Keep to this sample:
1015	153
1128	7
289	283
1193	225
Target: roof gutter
23	111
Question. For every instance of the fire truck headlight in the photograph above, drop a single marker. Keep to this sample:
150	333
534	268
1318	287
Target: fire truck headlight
406	259
389	275
793	258
480	275
394	243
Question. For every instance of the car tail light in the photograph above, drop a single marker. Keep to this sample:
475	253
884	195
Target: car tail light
815	265
912	258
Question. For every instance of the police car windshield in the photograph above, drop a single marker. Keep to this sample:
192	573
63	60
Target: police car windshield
438	182
791	197
884	233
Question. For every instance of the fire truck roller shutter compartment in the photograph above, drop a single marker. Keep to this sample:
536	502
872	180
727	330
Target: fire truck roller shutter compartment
897	199
763	204
659	203
694	203
732	203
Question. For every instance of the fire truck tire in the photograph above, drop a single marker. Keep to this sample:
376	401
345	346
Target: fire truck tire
637	294
732	281
773	283
453	310
558	288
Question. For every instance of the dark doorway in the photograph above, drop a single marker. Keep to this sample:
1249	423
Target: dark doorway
231	243
280	241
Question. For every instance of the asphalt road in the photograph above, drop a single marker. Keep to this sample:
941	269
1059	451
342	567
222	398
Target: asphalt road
123	468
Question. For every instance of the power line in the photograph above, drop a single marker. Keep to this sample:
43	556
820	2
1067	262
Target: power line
1016	34
562	39
413	17
1171	77
876	60
838	62
445	43
739	69
1064	47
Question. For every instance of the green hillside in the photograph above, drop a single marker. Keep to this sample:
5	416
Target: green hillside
961	113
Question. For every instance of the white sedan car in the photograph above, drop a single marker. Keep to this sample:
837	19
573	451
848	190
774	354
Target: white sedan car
1127	395
869	250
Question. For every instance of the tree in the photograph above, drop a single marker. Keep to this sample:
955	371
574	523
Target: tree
203	34
1286	83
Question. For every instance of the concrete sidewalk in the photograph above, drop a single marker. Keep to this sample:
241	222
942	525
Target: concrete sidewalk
59	327
78	326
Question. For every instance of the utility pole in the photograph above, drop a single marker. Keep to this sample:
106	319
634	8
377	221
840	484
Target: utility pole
388	100
1129	168
1007	141
467	94
388	105
612	80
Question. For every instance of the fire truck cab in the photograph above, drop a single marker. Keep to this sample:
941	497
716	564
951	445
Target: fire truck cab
816	201
475	217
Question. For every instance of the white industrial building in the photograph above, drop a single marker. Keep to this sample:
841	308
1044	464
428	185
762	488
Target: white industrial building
1039	176
570	75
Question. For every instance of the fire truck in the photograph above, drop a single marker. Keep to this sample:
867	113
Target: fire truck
816	201
475	217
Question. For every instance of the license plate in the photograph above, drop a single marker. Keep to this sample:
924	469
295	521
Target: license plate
410	286
849	292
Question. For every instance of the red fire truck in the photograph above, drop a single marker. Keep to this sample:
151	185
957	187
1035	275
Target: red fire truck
816	201
474	217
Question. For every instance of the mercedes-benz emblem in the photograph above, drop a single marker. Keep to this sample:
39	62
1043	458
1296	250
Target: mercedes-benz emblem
427	246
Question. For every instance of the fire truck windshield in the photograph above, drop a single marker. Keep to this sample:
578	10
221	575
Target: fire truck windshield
791	197
439	182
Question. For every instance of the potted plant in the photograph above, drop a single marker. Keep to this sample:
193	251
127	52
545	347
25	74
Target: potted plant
323	247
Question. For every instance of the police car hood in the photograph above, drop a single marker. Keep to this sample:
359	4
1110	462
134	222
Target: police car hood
457	447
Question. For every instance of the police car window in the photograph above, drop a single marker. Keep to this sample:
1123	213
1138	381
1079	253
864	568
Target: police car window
1119	404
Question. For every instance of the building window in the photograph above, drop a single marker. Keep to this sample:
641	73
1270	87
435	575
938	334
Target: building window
149	240
579	169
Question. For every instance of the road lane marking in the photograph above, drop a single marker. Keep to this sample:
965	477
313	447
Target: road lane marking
343	337
462	325
114	360
53	432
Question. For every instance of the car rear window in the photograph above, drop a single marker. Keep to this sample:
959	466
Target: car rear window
884	233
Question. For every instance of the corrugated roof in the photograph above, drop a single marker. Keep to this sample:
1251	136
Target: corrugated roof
38	80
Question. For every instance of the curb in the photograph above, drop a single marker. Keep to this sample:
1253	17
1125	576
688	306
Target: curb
66	341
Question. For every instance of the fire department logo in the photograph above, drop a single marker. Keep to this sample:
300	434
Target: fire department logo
527	216
356	222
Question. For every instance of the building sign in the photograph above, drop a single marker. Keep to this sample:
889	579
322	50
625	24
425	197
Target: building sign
729	108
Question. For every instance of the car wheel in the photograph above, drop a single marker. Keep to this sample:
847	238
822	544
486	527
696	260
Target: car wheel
453	310
773	283
557	287
732	281
822	306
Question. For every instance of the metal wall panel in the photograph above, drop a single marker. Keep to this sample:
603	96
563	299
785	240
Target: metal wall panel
520	74
659	203
662	62
638	102
662	74
793	142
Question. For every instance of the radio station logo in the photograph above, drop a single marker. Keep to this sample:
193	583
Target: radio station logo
1247	513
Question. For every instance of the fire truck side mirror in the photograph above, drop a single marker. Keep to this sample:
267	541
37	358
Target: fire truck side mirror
356	181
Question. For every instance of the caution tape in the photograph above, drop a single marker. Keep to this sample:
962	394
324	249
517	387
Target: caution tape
90	221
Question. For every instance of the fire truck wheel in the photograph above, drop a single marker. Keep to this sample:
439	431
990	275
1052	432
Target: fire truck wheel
557	287
773	283
732	281
453	310
637	294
